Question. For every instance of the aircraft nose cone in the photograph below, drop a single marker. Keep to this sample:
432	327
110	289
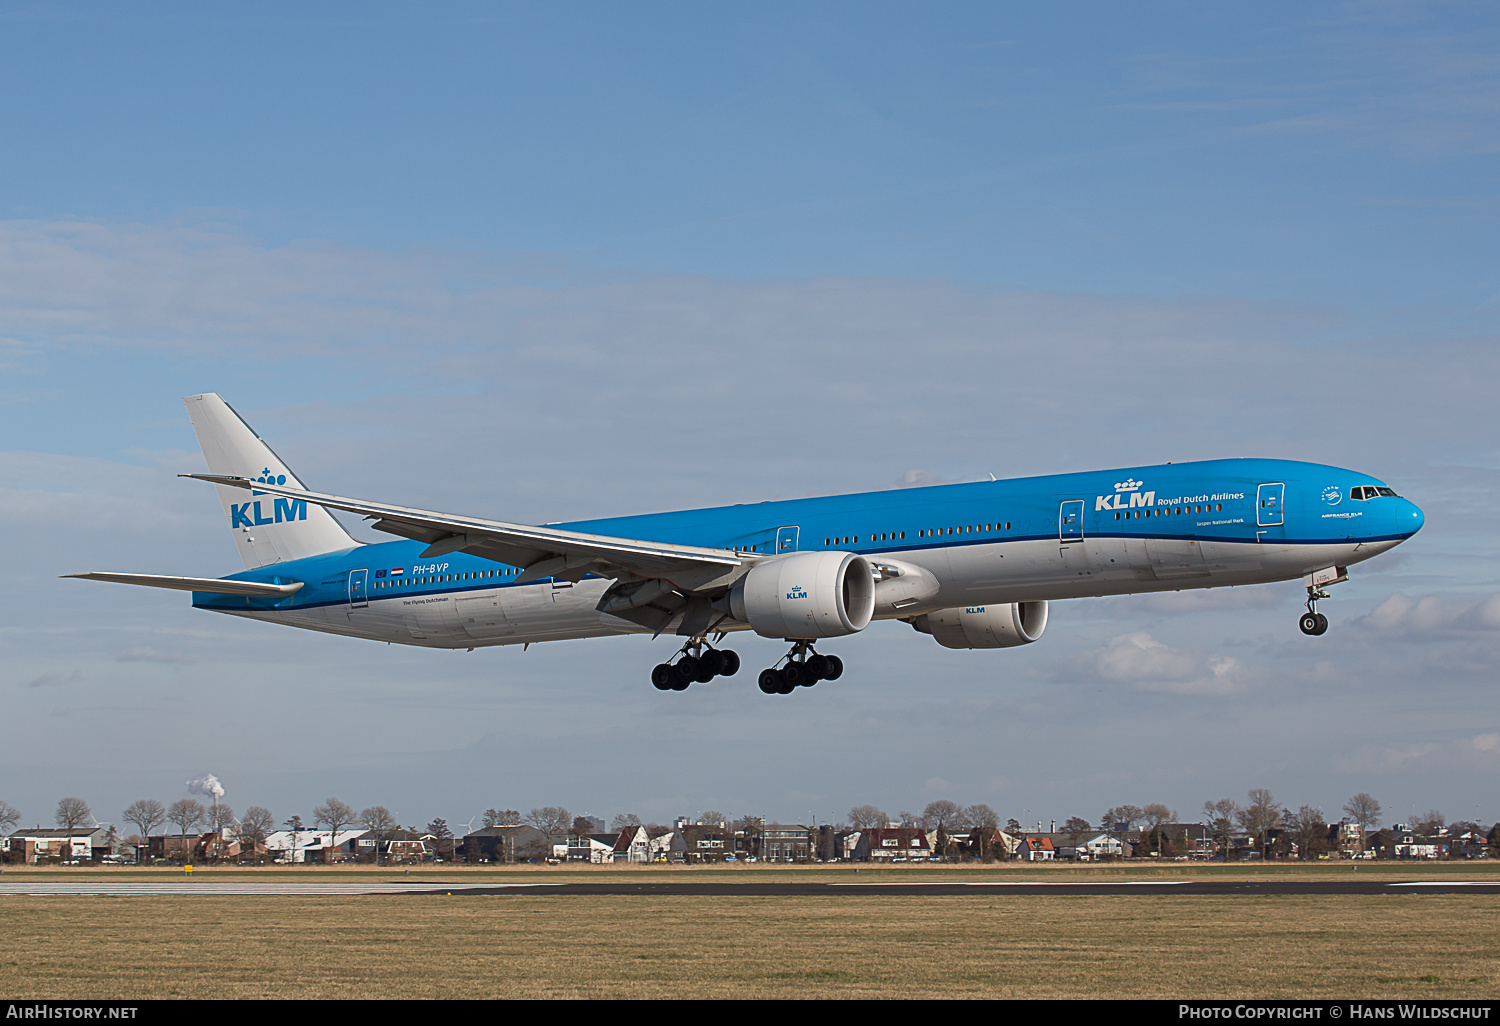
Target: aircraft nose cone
1411	518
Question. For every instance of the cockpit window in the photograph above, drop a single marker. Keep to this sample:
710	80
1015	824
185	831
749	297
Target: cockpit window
1387	491
1370	492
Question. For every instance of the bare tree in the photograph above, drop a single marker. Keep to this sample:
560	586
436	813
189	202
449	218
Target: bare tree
9	817
624	821
864	817
147	814
1126	814
1363	809
1307	828
1076	825
981	817
550	819
713	817
72	812
582	826
378	820
219	817
941	815
1219	818
1157	815
501	817
1261	815
1429	823
188	814
334	814
255	826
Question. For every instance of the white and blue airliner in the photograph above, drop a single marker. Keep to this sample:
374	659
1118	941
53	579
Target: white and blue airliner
972	565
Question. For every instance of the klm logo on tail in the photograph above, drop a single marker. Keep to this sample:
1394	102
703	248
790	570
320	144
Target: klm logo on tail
248	514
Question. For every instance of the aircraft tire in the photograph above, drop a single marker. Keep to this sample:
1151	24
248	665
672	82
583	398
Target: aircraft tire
835	668
817	669
712	663
731	663
796	675
664	677
770	681
1308	623
1322	624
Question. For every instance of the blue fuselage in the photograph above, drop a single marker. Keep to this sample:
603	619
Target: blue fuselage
1187	525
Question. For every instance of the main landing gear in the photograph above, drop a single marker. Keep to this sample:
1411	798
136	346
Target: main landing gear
803	669
699	664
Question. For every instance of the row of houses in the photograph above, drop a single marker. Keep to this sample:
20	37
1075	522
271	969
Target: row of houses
738	841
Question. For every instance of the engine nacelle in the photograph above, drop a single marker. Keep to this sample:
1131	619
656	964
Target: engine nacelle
1002	626
806	595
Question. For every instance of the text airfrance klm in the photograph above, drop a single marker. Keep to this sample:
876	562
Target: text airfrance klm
248	514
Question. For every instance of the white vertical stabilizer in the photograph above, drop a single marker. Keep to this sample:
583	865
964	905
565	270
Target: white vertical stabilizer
267	528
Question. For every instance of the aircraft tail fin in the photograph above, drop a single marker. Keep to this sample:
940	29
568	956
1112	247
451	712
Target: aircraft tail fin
267	529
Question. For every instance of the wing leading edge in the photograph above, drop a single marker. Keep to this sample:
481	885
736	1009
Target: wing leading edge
539	551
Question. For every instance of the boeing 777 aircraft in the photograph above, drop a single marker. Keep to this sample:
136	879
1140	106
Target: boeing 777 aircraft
972	565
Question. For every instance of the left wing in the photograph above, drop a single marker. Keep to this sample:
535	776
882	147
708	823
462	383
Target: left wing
539	551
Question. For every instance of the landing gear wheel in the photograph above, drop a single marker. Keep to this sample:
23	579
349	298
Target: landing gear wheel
1322	624
1309	623
711	663
835	668
796	675
770	681
730	663
817	668
664	677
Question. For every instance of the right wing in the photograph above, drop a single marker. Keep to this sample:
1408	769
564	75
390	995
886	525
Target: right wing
539	551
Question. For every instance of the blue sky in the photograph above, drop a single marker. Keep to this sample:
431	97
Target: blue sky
561	262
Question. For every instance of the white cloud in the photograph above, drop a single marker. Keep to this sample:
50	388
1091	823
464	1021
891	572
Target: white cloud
1430	616
1149	665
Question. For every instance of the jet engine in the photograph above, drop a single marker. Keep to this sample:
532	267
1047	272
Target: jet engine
807	595
1001	626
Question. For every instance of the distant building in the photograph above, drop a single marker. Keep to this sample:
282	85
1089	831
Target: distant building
81	843
310	845
518	843
888	844
785	842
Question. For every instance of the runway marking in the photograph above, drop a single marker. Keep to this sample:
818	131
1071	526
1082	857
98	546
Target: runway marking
1010	883
1447	883
299	887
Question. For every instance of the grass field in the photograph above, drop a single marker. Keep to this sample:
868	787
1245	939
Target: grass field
982	945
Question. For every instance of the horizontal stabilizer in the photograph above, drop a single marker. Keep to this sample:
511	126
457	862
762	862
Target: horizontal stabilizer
205	584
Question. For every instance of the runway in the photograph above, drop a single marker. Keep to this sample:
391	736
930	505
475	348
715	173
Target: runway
417	887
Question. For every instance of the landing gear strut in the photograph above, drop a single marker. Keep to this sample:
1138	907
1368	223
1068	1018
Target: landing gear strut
803	668
1313	622
699	664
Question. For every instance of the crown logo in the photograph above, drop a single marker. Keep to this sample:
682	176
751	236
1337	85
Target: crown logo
266	477
1128	485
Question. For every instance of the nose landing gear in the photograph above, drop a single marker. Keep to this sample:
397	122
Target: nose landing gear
803	669
1313	622
700	663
